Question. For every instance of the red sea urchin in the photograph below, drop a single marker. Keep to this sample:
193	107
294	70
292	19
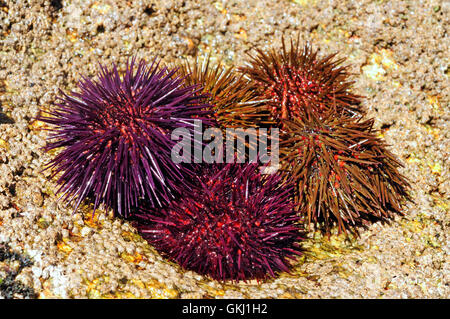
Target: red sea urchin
344	173
297	83
115	136
236	225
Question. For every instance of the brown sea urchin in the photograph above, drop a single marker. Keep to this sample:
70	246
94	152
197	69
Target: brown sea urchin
344	173
297	83
236	225
234	101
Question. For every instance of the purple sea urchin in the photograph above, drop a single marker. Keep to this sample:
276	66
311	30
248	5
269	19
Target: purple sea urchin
344	173
297	83
236	225
115	136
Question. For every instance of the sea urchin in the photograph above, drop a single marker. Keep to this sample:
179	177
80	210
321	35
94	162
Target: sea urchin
115	136
344	173
236	225
234	101
297	83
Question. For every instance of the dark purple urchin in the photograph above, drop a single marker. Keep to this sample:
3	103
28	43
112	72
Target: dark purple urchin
344	174
297	83
115	136
236	225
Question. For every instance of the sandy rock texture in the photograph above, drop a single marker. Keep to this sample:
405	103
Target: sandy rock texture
399	51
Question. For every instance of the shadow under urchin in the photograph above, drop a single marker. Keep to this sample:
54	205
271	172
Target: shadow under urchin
114	136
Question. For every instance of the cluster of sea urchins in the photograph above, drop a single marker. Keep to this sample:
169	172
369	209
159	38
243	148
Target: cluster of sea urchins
228	221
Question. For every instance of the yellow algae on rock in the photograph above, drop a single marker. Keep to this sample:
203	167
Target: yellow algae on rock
387	59
374	70
4	144
379	64
37	125
72	35
435	168
92	220
287	295
414	226
431	241
441	202
120	295
94	294
92	290
130	236
138	283
43	223
412	158
92	287
433	131
303	2
127	45
101	8
242	34
396	84
135	258
322	247
64	247
435	103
